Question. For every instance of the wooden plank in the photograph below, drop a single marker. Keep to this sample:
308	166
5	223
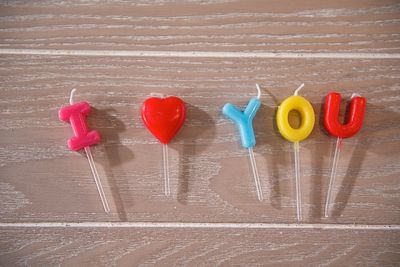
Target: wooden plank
197	247
41	180
258	26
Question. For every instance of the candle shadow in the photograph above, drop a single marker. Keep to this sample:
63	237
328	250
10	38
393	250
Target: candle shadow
110	127
320	151
350	181
198	123
346	187
362	145
344	190
268	136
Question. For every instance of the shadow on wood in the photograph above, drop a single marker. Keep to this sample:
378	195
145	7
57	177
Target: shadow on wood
320	153
364	142
110	127
198	123
269	136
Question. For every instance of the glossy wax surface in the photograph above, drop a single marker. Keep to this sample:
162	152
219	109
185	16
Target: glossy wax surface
163	117
306	111
354	119
76	115
244	120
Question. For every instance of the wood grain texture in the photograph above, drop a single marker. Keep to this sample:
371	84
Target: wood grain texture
300	26
41	180
167	247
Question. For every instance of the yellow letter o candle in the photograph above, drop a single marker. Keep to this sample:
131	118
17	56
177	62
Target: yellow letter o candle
306	111
307	116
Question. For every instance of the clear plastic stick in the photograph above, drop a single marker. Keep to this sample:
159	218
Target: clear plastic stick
93	167
167	188
97	180
329	196
255	175
298	180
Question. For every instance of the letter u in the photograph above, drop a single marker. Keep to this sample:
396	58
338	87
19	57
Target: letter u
354	119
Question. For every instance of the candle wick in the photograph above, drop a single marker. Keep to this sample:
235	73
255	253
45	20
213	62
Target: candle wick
71	97
355	95
160	95
296	92
258	91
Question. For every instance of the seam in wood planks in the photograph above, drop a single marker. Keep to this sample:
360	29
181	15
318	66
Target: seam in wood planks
372	227
197	54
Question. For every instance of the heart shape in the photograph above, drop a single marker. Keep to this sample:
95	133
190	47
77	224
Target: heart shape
163	117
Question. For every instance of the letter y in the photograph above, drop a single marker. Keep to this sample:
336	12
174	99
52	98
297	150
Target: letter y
244	120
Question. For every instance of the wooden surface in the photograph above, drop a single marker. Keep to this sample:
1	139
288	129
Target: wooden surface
122	247
350	26
42	182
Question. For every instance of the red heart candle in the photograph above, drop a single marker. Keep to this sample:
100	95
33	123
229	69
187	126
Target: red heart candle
163	117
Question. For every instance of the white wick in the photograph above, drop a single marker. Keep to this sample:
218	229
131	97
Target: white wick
258	91
296	92
160	95
71	97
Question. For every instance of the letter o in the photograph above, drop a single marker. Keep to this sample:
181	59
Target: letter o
307	115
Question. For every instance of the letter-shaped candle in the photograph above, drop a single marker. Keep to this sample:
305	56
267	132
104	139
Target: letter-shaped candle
163	117
335	128
76	114
306	111
244	121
